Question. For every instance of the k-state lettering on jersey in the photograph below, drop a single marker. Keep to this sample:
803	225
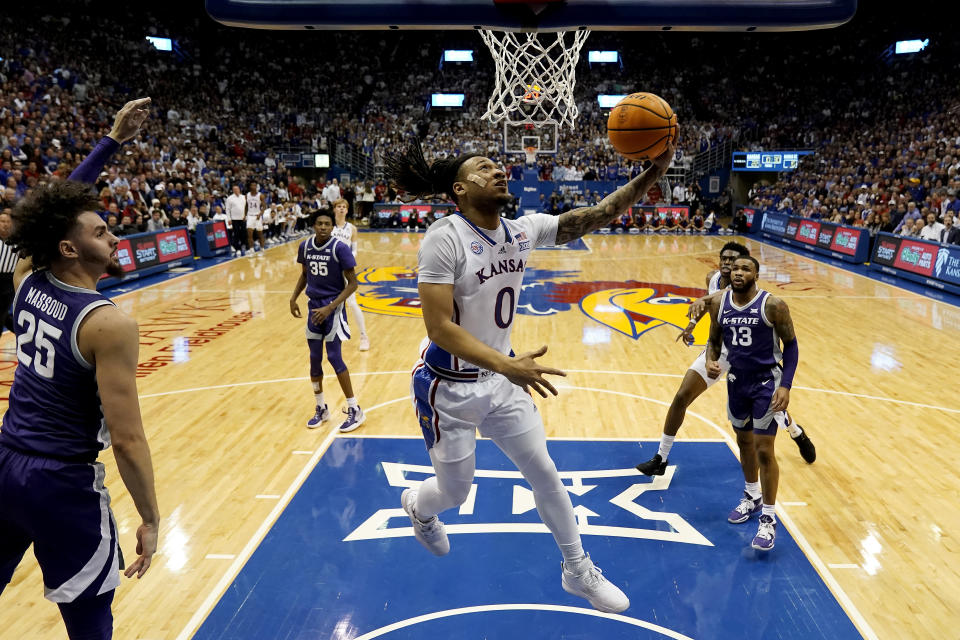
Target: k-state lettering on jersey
325	266
750	338
486	270
54	402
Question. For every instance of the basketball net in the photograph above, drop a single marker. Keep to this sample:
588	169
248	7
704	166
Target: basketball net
535	76
531	154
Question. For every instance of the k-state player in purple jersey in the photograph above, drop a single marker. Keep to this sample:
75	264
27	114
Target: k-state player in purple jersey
329	276
750	324
696	380
74	394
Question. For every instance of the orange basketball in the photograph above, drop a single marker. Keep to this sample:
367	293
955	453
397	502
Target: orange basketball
641	126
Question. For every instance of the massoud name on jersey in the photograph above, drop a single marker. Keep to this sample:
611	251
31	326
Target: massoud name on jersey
47	304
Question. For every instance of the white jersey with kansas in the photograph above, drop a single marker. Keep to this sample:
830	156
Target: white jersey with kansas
486	270
344	233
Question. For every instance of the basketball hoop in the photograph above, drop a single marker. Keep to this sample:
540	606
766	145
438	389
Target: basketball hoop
531	155
535	76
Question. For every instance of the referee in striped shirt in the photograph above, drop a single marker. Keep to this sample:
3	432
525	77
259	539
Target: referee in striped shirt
8	261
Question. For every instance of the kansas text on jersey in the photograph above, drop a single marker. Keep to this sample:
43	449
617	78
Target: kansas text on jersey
486	269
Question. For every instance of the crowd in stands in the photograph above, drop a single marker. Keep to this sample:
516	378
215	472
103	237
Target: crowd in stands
228	101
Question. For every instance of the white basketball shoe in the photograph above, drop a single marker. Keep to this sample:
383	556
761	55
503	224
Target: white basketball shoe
590	584
431	534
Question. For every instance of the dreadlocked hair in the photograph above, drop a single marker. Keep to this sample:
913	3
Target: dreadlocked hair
45	216
409	171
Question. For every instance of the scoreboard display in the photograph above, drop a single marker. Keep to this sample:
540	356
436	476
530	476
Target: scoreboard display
767	160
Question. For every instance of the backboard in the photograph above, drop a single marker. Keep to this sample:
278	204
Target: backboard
545	15
517	138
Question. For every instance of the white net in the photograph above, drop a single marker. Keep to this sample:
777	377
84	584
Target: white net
535	76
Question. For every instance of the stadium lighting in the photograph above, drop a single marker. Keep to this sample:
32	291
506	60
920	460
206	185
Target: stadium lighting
161	44
608	101
910	46
458	55
603	56
447	99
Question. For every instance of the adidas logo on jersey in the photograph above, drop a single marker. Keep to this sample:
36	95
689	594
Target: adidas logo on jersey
502	251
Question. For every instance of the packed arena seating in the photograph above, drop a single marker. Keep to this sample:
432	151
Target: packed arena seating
224	111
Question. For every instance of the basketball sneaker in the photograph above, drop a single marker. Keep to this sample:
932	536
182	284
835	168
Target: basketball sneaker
321	416
807	451
748	506
590	584
766	534
354	419
655	466
431	534
364	342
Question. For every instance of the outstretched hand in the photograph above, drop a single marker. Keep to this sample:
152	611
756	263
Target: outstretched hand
524	372
131	116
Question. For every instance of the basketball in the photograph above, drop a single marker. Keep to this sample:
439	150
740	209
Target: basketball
641	126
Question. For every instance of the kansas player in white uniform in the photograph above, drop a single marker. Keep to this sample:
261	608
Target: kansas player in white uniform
696	380
471	267
255	216
347	233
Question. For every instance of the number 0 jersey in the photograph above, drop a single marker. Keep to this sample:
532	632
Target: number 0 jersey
486	270
751	341
54	401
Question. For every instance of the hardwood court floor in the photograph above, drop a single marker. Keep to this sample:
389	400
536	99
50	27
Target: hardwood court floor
225	414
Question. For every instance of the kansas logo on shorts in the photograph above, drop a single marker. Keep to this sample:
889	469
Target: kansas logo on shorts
628	307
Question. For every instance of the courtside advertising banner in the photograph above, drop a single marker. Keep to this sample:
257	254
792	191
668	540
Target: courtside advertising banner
149	252
916	256
935	265
851	244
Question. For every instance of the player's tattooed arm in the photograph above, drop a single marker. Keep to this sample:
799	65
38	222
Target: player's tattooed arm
579	222
779	314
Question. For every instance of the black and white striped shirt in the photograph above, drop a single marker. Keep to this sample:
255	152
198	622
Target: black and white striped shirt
8	258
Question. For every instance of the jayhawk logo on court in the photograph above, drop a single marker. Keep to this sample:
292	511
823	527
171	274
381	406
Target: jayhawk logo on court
630	307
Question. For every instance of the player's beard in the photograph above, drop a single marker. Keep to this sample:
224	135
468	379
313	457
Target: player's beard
114	269
743	287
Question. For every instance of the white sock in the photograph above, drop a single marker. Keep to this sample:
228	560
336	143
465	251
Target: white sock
352	402
573	555
753	489
666	443
319	397
792	427
770	510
